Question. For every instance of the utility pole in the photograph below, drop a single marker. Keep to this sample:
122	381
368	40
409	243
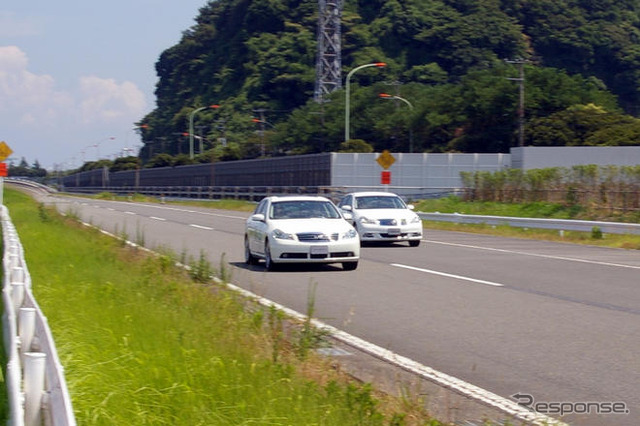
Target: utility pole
262	123
520	63
329	54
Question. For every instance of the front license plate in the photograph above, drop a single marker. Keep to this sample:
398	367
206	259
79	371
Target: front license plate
393	231
319	250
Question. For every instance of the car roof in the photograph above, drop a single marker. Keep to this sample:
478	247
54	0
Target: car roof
277	198
373	193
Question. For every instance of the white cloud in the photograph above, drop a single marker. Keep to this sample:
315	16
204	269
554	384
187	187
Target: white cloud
107	101
39	119
33	98
25	96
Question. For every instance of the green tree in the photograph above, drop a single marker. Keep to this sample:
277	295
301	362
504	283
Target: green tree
125	163
160	160
355	145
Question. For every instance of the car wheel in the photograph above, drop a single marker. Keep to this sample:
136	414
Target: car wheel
268	261
414	243
249	258
349	266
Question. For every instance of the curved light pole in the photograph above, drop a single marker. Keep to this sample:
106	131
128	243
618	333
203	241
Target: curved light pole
191	115
347	95
388	96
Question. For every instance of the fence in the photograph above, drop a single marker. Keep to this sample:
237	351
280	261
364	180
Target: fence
36	388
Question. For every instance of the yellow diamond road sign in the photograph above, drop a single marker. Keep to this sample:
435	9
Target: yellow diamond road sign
386	159
5	151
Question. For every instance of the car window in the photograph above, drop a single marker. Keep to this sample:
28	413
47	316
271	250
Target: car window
303	210
379	202
260	209
346	201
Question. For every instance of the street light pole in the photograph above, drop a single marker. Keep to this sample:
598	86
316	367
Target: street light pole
388	96
347	106
520	79
191	115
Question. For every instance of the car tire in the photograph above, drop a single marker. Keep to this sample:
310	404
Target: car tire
268	261
349	266
414	243
249	258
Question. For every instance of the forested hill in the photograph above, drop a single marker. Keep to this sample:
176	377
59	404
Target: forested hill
448	58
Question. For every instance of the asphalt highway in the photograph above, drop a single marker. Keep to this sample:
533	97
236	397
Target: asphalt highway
556	324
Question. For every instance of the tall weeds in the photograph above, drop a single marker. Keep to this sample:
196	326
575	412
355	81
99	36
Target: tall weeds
614	188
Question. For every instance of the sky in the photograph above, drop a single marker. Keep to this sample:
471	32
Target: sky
76	75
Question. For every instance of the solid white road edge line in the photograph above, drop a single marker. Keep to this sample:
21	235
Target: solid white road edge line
444	274
503	404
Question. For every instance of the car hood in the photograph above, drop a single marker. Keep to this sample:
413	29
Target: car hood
327	226
386	213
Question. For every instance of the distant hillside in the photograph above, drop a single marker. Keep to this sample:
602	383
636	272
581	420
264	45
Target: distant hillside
257	59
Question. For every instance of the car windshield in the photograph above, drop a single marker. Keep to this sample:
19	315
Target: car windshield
379	202
303	209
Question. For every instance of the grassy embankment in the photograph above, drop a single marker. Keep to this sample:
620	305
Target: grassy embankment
533	210
143	343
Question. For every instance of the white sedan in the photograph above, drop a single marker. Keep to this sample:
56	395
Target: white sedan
383	216
300	229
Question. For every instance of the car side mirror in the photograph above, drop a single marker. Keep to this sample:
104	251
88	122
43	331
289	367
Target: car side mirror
411	206
347	216
259	217
346	208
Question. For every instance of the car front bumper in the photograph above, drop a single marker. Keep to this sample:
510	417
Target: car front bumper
390	233
289	251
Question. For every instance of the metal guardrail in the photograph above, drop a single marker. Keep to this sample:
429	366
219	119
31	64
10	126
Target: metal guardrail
36	388
256	193
523	222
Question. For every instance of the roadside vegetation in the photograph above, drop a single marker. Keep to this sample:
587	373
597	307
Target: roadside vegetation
144	342
546	210
583	192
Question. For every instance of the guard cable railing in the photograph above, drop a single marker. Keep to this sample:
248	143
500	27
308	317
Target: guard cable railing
36	388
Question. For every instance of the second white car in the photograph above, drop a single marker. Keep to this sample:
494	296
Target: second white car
383	217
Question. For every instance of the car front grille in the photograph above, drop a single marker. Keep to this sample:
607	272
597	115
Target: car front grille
316	237
388	222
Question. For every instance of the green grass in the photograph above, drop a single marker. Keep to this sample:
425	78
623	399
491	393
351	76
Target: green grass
538	209
534	210
143	344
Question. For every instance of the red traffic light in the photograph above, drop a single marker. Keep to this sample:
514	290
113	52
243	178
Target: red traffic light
214	106
384	95
381	64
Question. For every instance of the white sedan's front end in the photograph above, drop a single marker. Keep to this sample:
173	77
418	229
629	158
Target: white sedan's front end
325	241
389	225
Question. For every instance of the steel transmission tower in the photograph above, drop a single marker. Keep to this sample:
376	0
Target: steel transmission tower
329	60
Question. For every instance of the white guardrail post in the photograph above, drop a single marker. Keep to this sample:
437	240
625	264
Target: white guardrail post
36	389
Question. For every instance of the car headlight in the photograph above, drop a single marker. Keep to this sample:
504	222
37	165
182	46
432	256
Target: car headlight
416	219
351	233
281	235
368	221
